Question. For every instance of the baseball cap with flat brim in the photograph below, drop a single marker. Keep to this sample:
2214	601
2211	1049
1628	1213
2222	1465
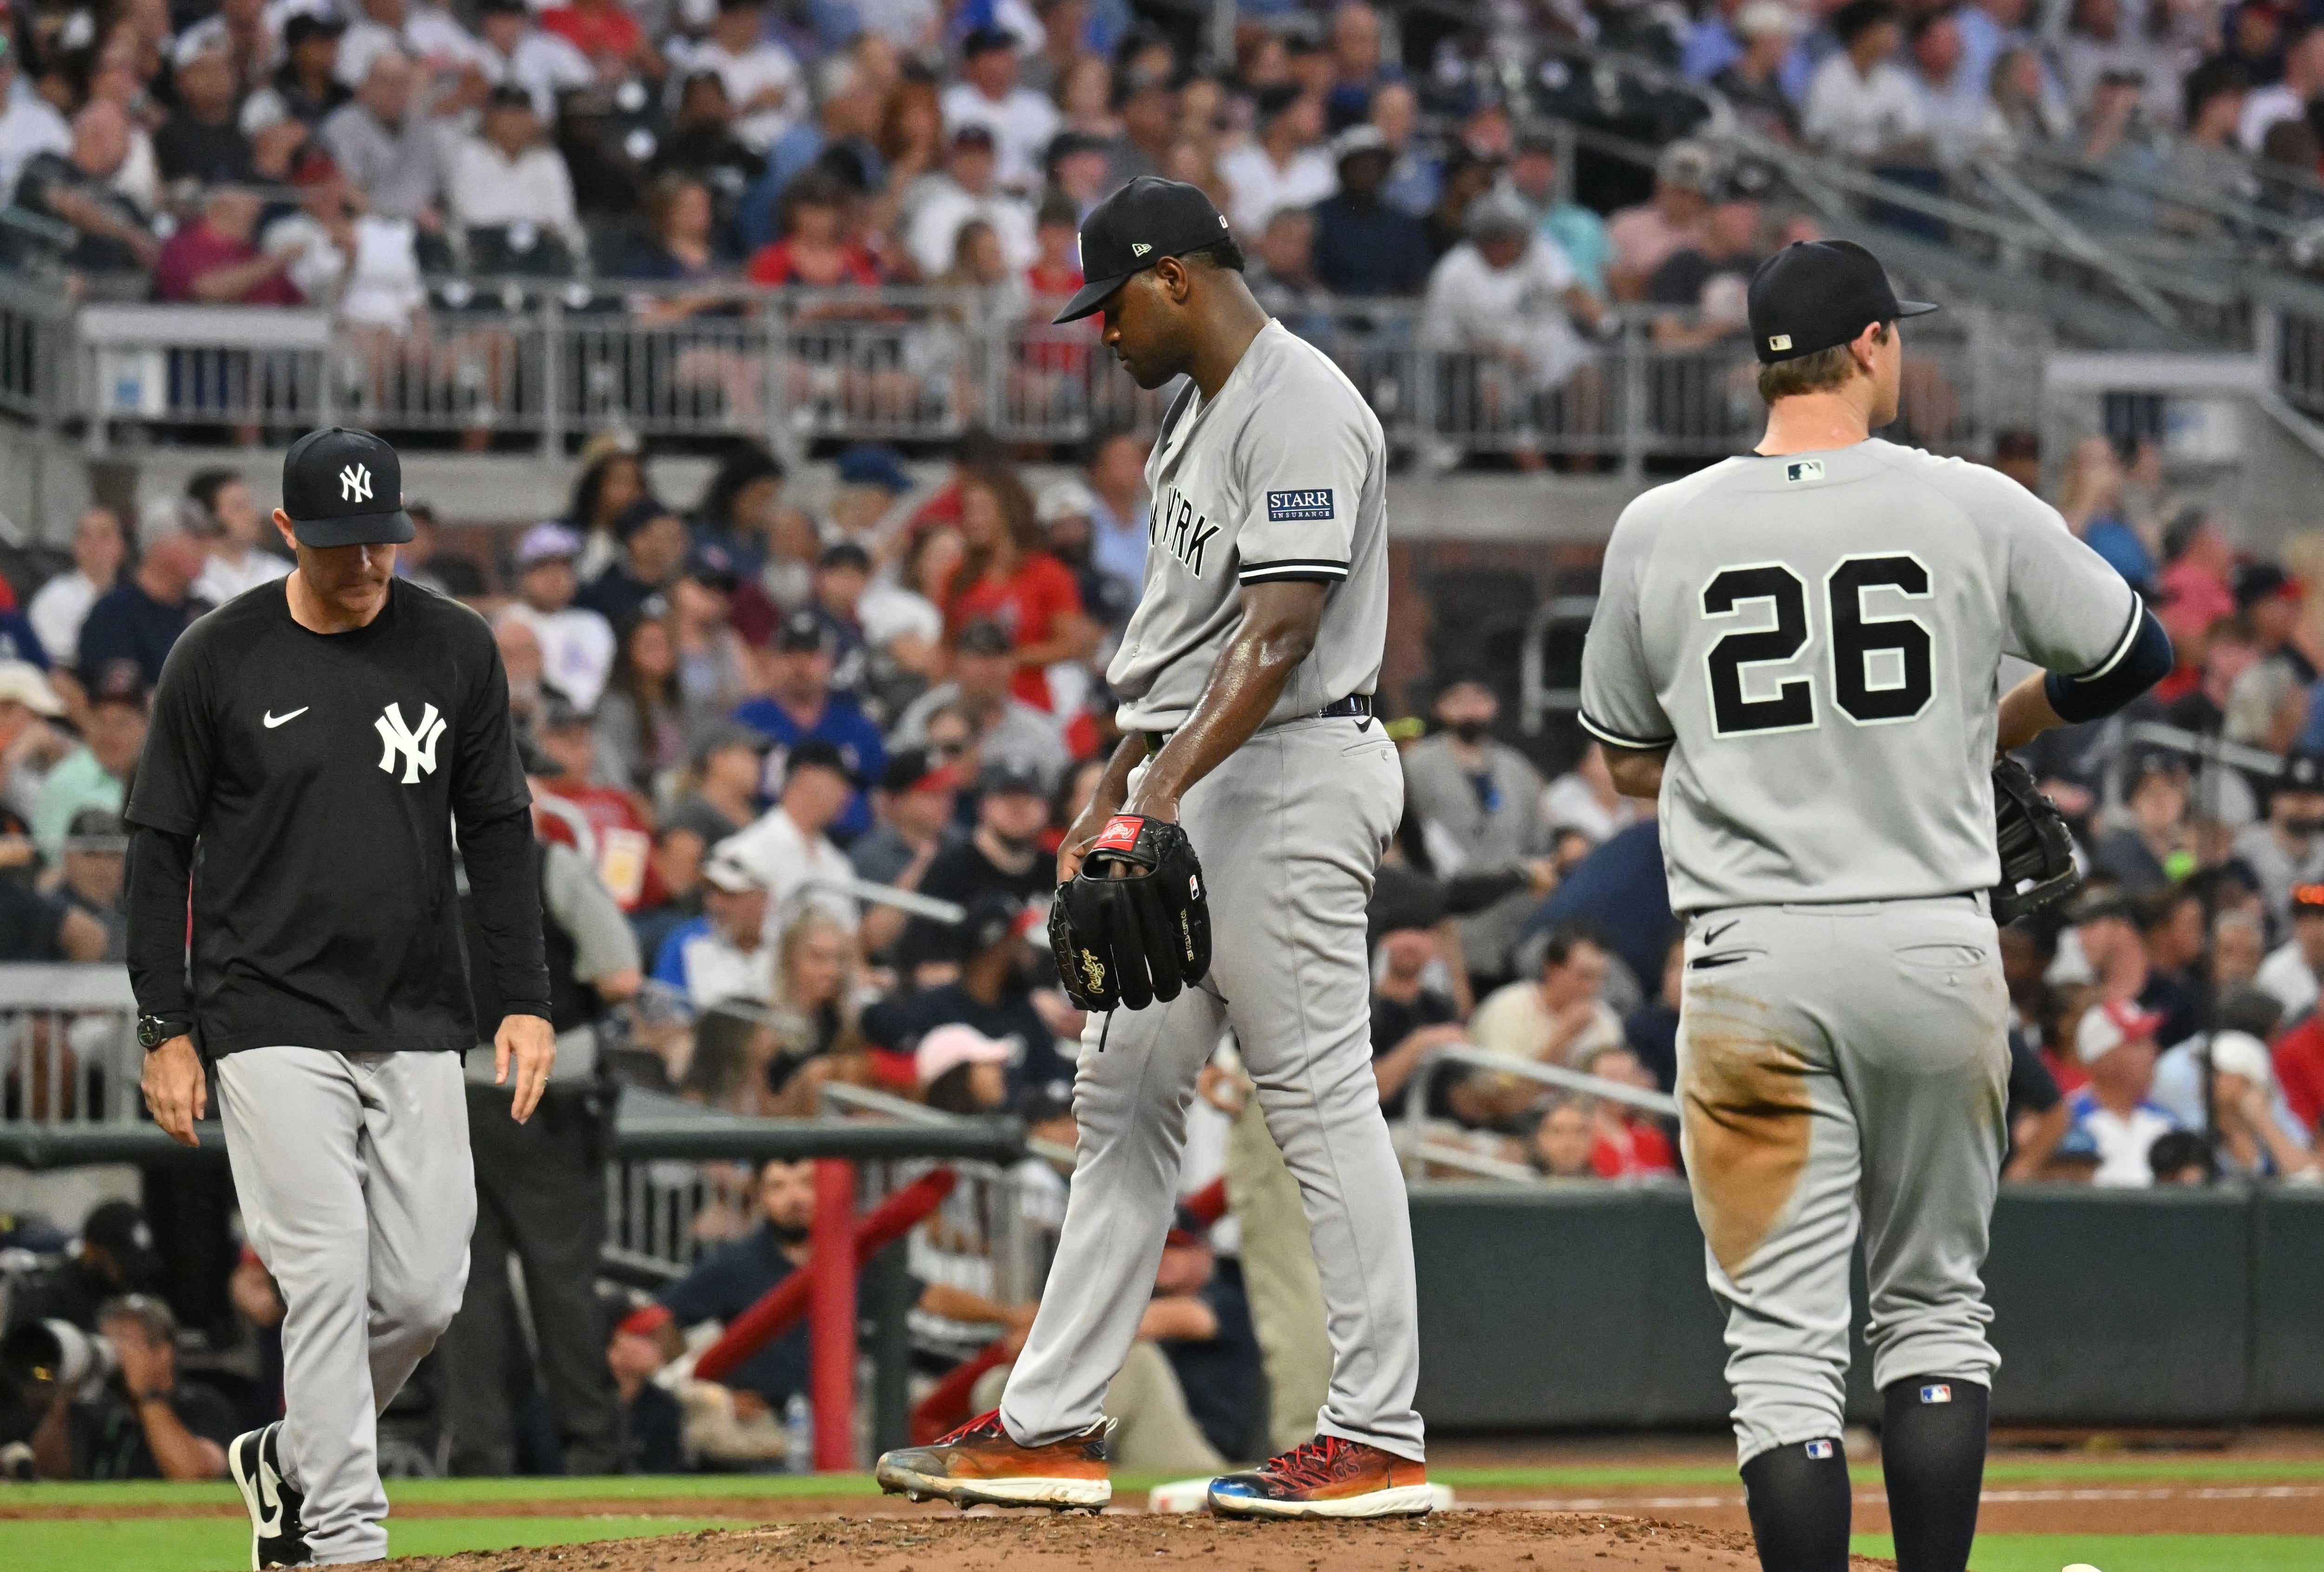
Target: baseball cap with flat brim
1819	294
341	487
1137	227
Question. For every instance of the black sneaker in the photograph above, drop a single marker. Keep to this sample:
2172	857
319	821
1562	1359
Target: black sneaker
278	1536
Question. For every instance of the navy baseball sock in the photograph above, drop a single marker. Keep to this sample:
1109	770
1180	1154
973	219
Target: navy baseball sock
1932	1452
1799	1502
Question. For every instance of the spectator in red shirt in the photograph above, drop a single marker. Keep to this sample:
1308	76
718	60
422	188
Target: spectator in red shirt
623	833
215	261
2299	1055
1008	579
1628	1145
605	31
816	250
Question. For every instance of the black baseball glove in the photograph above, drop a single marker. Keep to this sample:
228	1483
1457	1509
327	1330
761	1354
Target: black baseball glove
2037	851
1134	925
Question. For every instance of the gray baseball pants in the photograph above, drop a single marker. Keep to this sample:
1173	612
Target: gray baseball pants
1290	831
357	1192
1843	1066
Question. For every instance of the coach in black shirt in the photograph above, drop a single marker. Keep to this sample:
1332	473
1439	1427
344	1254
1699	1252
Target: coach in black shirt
313	745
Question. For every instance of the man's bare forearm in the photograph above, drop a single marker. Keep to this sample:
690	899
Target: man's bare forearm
1277	631
2025	714
1636	772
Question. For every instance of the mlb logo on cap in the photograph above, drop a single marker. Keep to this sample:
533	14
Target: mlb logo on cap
1937	1393
1819	1450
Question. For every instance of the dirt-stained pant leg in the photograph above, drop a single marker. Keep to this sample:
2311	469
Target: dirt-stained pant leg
1290	830
1842	1065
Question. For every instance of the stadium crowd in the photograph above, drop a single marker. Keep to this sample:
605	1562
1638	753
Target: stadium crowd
741	716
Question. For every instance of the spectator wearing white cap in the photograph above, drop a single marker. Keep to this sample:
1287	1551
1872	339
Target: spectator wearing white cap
1646	236
29	746
2115	1045
1022	122
725	953
63	603
1067	514
577	644
1768	70
2255	1131
960	1070
200	142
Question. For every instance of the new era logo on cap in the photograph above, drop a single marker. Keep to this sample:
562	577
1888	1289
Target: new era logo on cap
1147	220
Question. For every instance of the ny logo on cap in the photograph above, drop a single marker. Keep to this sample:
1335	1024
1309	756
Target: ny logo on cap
355	484
1138	248
1779	342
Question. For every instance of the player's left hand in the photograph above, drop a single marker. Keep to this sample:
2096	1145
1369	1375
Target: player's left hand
527	1039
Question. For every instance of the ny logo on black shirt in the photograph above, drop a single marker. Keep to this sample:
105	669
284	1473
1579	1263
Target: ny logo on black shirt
417	744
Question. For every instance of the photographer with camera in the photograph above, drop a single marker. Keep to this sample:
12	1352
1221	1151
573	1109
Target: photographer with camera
140	1421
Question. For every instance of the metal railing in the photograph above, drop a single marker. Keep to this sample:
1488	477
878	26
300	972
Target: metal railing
69	1053
1423	1149
793	368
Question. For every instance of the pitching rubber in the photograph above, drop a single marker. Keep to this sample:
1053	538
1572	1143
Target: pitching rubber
1399	1501
1031	1490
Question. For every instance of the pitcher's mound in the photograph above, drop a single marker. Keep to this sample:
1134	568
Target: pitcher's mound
1461	1541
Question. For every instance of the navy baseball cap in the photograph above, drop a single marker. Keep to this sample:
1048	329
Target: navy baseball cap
1814	294
343	488
1137	227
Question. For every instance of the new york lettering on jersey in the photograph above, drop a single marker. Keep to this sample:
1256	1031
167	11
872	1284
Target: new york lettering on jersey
1281	478
1180	529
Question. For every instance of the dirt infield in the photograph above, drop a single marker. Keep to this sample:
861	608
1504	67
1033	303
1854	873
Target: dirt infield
2063	1505
1465	1541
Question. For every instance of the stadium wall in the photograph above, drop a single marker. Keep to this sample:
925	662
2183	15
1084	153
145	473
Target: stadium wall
1588	1309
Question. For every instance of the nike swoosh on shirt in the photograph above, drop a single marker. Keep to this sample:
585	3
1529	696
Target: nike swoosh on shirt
273	720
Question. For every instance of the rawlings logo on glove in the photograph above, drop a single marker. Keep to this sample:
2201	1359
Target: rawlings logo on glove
1132	926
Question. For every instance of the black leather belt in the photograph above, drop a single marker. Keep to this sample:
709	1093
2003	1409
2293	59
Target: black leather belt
1353	704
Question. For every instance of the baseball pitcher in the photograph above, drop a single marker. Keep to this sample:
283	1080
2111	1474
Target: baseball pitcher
1219	876
1801	650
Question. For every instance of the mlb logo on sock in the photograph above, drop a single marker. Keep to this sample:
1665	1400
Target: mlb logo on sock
1819	1450
1939	1393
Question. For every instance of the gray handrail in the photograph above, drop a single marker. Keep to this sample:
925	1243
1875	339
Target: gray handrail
1465	1056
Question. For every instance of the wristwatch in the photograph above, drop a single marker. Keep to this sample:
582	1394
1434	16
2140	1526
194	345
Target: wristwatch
154	1030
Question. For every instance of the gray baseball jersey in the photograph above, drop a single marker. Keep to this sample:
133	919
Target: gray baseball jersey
1817	638
1283	476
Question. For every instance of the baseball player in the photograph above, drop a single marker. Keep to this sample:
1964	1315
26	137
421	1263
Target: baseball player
1801	650
314	742
1246	679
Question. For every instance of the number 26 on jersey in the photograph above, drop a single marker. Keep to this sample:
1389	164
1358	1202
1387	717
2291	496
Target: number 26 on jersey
1879	669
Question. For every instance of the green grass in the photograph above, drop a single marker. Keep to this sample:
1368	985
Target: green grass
223	1544
2080	1466
2132	1552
